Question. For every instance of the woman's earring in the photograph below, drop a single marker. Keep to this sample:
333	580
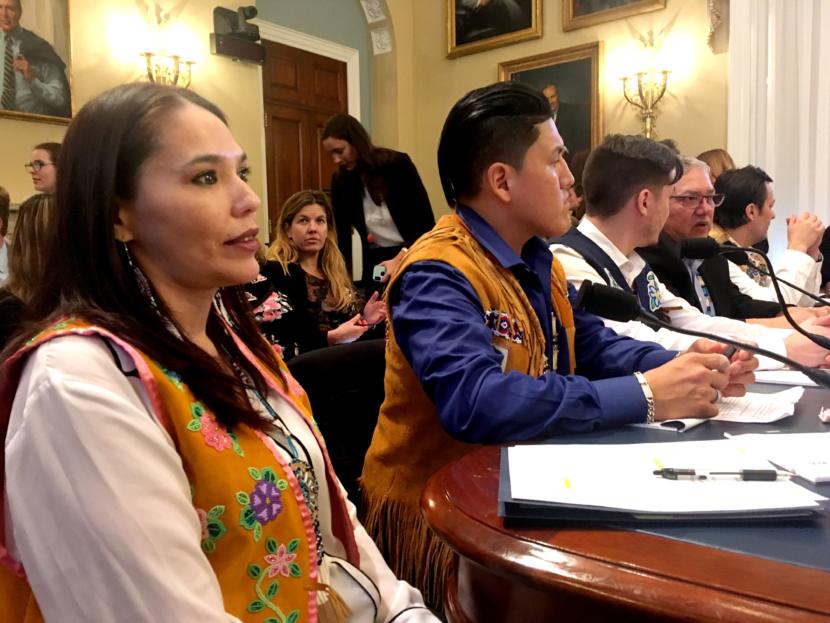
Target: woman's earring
140	277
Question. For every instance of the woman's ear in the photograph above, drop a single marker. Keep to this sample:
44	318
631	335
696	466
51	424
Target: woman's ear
124	226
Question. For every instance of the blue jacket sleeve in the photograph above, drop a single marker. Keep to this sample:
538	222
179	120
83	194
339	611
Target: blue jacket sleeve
438	322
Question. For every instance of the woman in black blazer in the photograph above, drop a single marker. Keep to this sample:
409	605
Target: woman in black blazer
378	192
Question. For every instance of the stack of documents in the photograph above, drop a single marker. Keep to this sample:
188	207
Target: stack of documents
617	482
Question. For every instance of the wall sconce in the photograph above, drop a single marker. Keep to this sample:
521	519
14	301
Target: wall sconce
168	69
651	85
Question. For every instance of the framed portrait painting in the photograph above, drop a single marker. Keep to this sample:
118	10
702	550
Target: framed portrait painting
582	13
569	78
34	74
476	25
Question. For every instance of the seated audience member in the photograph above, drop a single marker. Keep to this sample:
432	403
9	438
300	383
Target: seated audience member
576	195
718	161
43	167
628	186
5	209
304	299
472	355
378	192
743	220
25	262
184	475
704	283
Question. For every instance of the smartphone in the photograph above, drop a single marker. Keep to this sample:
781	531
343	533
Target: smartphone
378	272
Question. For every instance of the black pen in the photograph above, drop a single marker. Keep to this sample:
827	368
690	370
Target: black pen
672	473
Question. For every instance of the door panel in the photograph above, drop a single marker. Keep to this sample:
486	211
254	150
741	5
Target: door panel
302	91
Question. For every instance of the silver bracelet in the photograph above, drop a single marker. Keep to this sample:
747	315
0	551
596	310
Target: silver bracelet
641	379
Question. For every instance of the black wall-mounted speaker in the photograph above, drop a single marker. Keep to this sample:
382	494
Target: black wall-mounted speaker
236	48
234	37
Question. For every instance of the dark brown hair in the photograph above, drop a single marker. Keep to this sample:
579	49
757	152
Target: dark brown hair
54	150
622	166
107	143
369	157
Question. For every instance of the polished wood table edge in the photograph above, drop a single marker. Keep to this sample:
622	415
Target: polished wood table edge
601	575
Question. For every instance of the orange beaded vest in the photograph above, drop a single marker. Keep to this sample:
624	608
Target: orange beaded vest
257	530
409	443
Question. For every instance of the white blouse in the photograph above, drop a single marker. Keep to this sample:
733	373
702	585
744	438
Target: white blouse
98	507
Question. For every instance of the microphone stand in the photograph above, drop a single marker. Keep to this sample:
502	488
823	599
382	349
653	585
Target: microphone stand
816	339
635	312
817	299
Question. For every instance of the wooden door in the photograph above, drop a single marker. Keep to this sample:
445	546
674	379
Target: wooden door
301	91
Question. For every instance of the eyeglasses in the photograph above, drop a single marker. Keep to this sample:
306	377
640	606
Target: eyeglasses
36	165
692	201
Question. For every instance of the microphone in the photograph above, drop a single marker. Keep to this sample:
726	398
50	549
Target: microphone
705	247
616	304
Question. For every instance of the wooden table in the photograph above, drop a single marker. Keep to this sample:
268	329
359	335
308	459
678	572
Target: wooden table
600	574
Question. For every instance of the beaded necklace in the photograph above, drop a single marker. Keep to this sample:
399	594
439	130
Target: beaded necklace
300	465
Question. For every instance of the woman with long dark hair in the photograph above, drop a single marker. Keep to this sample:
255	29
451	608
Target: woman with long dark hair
161	464
378	192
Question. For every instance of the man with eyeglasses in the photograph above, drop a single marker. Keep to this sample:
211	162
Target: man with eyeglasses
704	283
628	183
32	75
743	220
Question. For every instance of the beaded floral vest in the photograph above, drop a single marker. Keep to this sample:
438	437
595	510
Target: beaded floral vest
257	527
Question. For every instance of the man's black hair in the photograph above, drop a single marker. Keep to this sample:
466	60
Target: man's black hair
496	123
621	167
741	187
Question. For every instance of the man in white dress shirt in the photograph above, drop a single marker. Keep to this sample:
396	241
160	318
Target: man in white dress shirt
627	182
744	219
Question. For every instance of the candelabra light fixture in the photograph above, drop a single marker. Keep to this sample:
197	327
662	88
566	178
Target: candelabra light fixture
168	68
645	89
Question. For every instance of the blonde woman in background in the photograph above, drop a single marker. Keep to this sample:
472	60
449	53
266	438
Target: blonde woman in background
304	298
718	160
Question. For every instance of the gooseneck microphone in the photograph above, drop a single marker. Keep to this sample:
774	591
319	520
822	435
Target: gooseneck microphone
704	248
615	304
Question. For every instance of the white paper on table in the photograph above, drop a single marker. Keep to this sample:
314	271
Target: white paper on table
620	476
806	454
783	377
753	408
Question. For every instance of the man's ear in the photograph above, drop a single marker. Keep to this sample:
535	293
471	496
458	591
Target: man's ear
497	180
751	212
641	199
124	216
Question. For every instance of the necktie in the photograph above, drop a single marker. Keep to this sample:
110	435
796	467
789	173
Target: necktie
7	100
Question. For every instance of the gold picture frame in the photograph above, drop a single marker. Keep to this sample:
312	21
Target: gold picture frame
575	72
41	39
575	16
474	28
